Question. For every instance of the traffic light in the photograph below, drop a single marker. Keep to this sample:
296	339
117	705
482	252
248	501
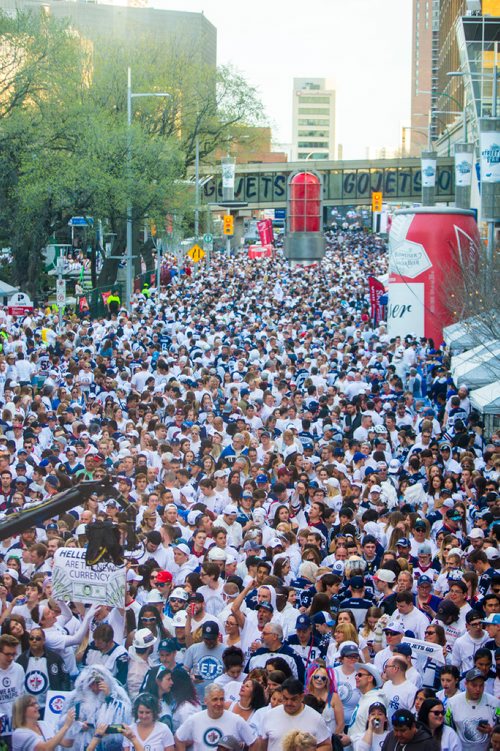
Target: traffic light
376	202
228	224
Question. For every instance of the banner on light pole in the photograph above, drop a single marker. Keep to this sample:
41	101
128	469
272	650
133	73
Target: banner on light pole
490	156
463	168
428	172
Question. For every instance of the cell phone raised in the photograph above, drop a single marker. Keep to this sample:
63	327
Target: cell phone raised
114	729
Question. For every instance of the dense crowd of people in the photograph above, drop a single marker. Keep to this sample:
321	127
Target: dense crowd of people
316	512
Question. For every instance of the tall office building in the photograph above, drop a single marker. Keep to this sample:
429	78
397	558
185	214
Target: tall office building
425	45
313	124
436	54
131	19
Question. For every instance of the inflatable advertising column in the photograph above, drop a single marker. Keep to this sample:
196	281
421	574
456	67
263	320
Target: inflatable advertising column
428	248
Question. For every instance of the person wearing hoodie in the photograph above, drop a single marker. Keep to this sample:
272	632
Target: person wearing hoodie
409	735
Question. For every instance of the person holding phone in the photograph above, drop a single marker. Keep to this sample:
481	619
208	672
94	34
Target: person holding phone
146	731
473	713
377	728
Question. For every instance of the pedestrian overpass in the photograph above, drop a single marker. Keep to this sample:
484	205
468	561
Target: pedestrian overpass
345	183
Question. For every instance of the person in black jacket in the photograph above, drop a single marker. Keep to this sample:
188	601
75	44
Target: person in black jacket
409	734
44	669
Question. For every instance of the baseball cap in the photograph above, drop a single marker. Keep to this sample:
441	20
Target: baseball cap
154	597
229	742
179	594
322	618
164	577
476	534
179	619
385	575
210	630
348	650
395	627
217	554
183	548
357	582
403	542
403	649
424	549
266	606
424	579
302	622
471	675
358	455
403	717
493	619
230	510
167	645
261	478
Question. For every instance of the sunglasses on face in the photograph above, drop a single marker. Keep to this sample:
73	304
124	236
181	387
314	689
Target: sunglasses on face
35	638
148	620
321	678
438	712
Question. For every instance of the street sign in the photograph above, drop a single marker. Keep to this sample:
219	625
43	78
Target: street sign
208	238
377	200
81	221
228	224
20	304
196	253
61	292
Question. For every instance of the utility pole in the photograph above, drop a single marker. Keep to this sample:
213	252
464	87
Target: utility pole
129	278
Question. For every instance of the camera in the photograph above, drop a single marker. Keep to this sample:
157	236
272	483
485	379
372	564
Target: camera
376	723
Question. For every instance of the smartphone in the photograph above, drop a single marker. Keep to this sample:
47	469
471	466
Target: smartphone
114	729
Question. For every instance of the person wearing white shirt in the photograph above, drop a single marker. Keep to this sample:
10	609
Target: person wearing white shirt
410	618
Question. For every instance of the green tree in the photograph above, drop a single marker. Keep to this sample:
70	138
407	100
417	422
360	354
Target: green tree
64	138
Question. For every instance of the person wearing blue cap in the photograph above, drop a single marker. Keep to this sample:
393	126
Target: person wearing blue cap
305	642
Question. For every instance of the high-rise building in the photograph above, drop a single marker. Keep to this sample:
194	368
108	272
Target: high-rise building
313	119
425	26
190	32
437	98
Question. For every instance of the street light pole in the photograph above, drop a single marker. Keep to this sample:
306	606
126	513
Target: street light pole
129	277
197	188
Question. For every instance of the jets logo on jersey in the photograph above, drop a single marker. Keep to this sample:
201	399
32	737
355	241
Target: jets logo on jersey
212	736
36	682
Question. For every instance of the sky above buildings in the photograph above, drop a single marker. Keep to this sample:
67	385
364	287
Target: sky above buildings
362	46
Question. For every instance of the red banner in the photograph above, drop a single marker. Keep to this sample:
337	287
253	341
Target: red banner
260	251
83	304
377	289
265	228
105	296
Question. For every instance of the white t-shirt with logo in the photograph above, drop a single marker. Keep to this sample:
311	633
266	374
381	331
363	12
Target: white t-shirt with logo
36	680
464	715
399	697
204	733
11	688
159	738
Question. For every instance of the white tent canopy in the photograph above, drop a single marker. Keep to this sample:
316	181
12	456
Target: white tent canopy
486	399
471	331
478	366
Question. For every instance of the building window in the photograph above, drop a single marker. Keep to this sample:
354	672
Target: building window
314	99
312	144
323	123
313	111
